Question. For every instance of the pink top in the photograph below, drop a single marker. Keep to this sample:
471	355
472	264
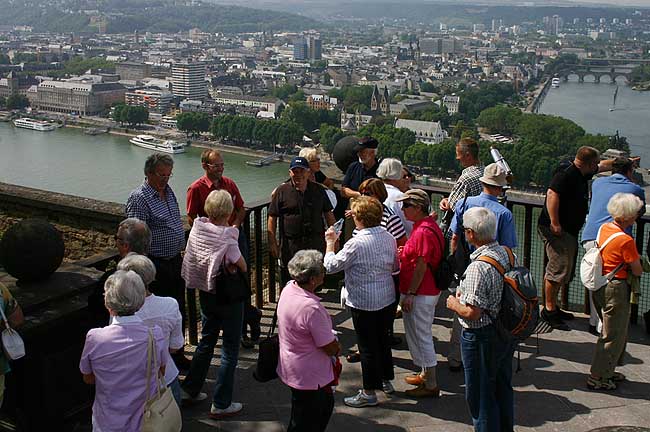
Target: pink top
303	326
117	355
424	242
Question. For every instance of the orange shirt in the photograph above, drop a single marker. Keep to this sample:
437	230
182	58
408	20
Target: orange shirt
621	249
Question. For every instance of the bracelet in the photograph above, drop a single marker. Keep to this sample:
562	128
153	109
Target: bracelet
412	293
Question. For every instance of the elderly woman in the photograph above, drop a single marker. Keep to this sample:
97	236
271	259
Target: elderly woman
487	359
390	172
159	311
419	293
114	358
613	300
212	248
375	188
307	344
313	157
369	260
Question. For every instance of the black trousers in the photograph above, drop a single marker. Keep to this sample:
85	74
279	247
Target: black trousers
310	410
169	282
373	328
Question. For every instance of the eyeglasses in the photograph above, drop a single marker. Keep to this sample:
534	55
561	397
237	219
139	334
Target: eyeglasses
218	165
406	204
164	176
467	230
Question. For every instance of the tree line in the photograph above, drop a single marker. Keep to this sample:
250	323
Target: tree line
131	114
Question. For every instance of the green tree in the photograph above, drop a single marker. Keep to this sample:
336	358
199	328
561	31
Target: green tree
16	102
500	119
427	87
3	102
329	136
136	115
4	59
193	123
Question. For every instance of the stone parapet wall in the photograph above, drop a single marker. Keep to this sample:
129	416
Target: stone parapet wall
87	225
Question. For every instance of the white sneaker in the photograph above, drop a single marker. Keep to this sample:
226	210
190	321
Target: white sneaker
361	400
387	387
187	398
234	409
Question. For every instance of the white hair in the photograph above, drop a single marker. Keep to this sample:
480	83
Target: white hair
624	206
305	264
136	234
390	169
309	153
483	222
124	292
139	264
218	204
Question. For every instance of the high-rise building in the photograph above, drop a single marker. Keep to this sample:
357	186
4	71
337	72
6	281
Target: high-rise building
314	48
300	49
188	80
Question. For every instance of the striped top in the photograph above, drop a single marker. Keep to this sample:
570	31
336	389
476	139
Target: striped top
369	260
391	222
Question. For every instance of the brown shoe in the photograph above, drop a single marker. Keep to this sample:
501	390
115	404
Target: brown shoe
422	392
415	379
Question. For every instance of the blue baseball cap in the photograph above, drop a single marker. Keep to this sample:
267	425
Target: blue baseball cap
299	162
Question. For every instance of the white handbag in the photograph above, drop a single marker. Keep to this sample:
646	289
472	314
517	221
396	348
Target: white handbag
12	343
161	412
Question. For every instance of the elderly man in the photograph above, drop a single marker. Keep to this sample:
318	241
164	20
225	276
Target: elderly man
363	169
602	189
133	235
391	172
213	165
154	203
492	181
468	183
562	217
487	358
300	205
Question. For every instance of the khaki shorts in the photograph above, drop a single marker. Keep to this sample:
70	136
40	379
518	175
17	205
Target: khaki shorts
561	252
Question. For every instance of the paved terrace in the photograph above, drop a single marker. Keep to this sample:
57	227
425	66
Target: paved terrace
550	390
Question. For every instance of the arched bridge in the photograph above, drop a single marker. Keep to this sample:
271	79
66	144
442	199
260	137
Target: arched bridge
610	73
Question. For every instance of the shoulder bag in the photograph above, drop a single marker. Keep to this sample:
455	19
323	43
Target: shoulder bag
161	412
12	344
231	287
269	354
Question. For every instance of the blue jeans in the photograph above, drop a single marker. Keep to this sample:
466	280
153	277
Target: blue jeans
175	387
488	379
216	318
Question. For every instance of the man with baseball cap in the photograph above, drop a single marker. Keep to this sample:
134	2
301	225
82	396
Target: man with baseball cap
300	204
363	169
493	181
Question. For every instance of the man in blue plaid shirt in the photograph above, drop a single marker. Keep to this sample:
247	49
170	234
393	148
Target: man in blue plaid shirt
154	203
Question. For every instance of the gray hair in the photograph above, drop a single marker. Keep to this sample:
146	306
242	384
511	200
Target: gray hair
306	264
483	222
218	204
140	264
157	159
136	234
390	169
624	206
124	292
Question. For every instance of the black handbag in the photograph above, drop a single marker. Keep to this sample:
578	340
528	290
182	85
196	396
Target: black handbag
231	287
269	354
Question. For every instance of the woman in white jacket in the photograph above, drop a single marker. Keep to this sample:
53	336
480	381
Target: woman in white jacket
212	248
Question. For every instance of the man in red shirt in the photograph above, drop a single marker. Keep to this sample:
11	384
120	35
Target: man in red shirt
212	163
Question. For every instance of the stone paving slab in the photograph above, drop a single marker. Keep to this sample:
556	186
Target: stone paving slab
550	389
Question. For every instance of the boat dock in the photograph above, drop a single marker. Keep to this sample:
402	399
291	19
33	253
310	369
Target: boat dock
265	161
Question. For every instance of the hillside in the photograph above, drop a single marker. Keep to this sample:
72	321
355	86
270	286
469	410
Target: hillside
123	16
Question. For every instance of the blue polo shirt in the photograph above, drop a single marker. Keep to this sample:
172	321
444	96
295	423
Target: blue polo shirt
357	173
602	190
506	230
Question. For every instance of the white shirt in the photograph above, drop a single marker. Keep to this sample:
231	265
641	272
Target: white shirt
396	206
369	260
164	312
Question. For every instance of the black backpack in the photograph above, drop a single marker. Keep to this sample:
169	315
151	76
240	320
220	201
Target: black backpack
519	311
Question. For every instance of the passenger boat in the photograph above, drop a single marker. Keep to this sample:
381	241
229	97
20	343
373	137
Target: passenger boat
37	125
157	144
555	82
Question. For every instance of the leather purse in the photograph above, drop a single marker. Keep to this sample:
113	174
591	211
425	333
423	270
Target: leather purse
269	354
231	288
161	412
12	344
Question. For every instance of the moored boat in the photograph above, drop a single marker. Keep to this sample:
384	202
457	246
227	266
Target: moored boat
37	125
157	144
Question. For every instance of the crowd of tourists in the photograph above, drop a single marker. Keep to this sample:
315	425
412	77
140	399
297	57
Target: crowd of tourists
390	263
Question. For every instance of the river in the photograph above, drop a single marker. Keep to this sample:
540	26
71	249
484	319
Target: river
108	167
588	105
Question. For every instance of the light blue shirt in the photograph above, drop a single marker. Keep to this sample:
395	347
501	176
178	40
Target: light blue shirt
602	189
369	260
506	234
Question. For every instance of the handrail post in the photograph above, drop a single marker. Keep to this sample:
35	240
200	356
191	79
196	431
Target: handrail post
259	287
